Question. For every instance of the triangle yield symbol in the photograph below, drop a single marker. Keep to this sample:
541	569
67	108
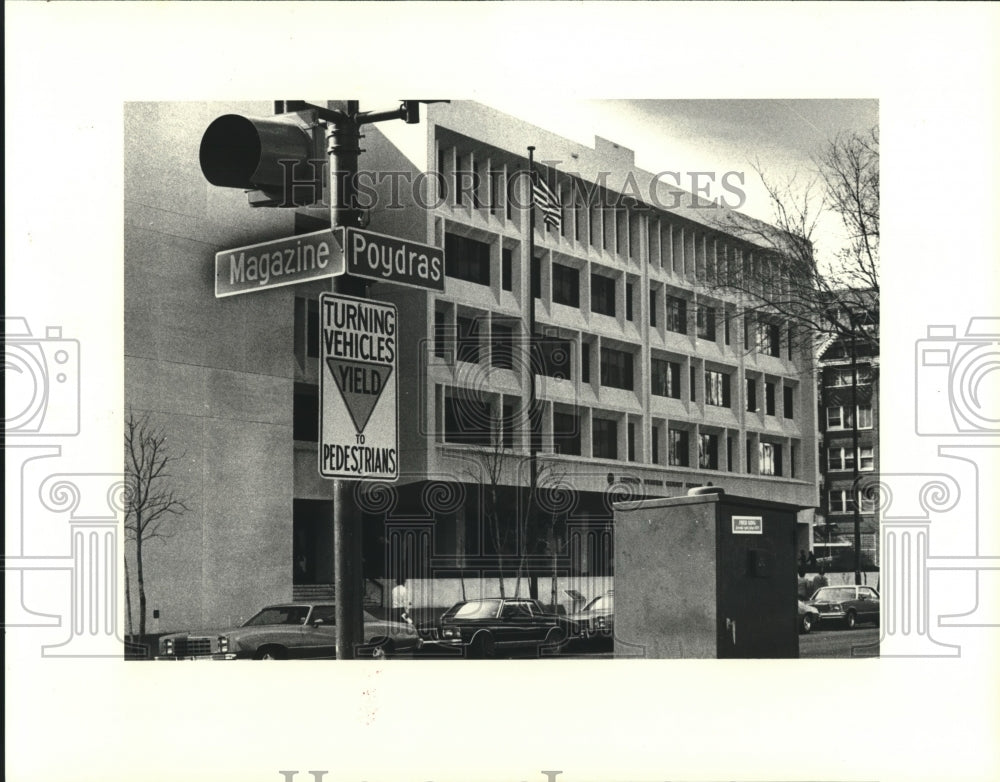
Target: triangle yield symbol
360	390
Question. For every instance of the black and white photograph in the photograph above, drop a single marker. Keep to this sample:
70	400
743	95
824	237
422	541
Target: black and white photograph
540	430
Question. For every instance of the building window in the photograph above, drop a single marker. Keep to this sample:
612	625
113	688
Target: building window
769	339
725	330
676	315
585	361
751	395
440	334
841	418
467	421
677	447
553	357
616	369
717	389
305	414
841	501
536	278
769	398
628	301
312	328
770	459
791	342
866	459
867	505
729	453
654	439
652	307
507	424
565	285
605	438
467	259
706	323
630	431
665	378
708	451
602	294
789	394
693	387
507	269
840	459
468	340
843	377
502	354
566	433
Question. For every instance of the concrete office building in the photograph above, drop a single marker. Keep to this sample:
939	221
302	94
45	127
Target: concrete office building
649	379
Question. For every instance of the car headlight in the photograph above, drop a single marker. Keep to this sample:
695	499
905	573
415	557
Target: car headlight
168	646
600	622
836	607
223	643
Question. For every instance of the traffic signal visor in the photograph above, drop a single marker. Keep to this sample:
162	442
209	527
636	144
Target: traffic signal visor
271	155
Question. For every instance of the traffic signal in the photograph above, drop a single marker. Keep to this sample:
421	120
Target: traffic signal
281	160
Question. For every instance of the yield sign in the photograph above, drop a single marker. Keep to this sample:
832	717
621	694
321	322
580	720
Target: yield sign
361	384
359	394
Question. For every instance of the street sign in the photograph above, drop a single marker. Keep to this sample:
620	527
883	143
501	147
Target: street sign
748	525
389	259
280	262
358	389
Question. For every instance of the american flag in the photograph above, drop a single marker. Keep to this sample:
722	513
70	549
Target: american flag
548	202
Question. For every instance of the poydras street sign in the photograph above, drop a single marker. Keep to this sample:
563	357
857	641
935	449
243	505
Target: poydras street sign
358	389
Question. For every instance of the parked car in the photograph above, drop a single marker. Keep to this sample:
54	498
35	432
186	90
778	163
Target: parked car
292	630
596	620
846	604
808	617
494	625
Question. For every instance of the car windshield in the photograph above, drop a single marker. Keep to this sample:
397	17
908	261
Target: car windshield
279	615
834	594
602	603
478	609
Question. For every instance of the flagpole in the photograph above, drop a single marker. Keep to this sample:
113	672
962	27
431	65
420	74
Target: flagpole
533	414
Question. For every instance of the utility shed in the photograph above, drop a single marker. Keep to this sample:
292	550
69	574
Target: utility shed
705	575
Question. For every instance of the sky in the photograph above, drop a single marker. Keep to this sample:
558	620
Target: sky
699	135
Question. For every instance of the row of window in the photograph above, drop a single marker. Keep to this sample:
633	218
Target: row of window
468	421
842	501
552	358
843	458
840	417
469	259
838	378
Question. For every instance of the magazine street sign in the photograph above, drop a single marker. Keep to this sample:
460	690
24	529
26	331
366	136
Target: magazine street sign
390	259
358	389
280	262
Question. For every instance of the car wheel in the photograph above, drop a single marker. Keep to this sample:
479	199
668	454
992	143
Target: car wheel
553	640
270	653
807	623
381	648
481	646
850	620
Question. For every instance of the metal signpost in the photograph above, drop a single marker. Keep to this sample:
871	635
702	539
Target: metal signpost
274	159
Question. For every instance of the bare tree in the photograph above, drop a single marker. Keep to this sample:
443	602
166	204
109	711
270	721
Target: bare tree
151	502
516	527
777	272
